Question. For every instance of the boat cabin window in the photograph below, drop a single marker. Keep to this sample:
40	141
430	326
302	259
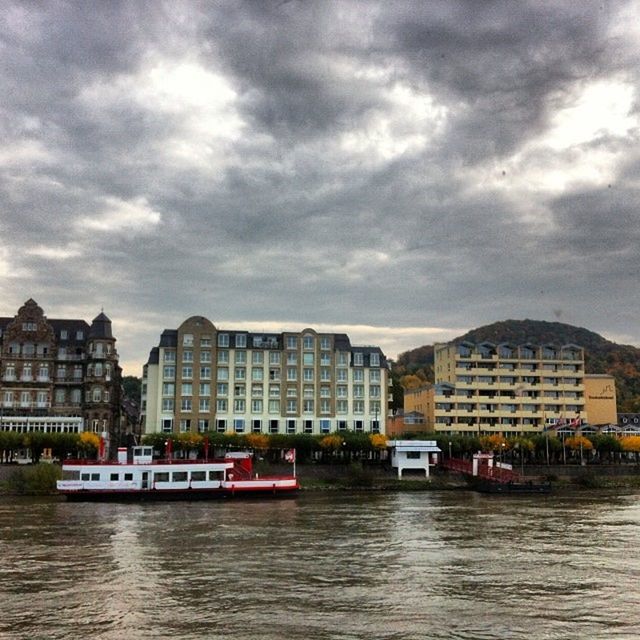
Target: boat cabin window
161	476
215	475
143	451
71	475
179	476
198	476
128	476
95	476
85	476
114	477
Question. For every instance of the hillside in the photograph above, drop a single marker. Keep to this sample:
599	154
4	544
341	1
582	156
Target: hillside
601	355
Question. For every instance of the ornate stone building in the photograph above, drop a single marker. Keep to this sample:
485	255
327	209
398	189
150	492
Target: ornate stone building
58	375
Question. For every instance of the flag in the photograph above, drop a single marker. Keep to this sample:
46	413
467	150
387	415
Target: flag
290	456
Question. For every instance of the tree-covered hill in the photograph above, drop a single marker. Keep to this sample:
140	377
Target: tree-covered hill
415	367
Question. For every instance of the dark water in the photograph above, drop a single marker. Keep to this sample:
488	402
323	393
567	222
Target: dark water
405	566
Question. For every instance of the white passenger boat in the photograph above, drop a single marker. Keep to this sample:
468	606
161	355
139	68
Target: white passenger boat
143	478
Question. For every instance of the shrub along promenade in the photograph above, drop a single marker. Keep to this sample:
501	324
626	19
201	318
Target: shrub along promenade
345	459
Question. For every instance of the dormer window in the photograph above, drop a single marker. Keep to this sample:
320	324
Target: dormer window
64	335
29	326
79	335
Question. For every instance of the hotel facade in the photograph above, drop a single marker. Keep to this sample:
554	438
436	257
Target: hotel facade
503	388
201	378
58	376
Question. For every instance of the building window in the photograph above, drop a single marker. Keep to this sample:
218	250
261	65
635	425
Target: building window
308	426
375	426
292	406
325	406
274	406
358	406
257	374
205	389
292	358
358	358
167	405
359	425
240	357
187	389
205	373
221	405
257	357
325	343
308	359
342	425
205	356
307	406
187	340
187	372
79	335
167	425
185	425
205	341
239	405
240	373
342	406
256	426
273	426
223	389
187	356
274	375
204	405
307	342
203	425
186	404
325	426
358	375
221	425
238	425
291	426
223	373
256	406
241	340
223	340
307	375
223	357
374	375
292	374
274	357
292	342
374	359
169	373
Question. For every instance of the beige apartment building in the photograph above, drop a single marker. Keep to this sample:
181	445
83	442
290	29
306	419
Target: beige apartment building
502	388
203	378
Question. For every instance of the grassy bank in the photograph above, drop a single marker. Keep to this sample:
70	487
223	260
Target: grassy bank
32	479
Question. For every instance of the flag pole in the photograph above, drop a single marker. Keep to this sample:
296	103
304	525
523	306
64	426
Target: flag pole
294	462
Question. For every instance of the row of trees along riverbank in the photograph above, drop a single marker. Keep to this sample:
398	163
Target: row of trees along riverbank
340	446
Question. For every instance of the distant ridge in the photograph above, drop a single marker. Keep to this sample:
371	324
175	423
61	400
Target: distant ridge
601	355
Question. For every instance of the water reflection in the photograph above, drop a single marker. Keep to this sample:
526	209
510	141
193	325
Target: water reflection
428	565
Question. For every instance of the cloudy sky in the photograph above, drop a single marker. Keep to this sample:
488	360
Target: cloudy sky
401	171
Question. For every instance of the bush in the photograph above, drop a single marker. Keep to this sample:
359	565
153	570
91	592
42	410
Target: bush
35	479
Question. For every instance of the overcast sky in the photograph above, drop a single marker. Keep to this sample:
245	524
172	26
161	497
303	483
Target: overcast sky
399	171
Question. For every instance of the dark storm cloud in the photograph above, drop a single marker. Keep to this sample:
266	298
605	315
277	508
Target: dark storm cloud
377	163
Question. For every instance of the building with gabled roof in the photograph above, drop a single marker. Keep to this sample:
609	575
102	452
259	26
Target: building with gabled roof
58	375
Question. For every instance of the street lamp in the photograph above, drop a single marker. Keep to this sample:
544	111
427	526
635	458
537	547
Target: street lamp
449	449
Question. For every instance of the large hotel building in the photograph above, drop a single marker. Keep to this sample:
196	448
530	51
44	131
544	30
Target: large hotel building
58	375
512	389
201	378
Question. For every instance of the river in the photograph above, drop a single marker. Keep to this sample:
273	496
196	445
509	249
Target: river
323	566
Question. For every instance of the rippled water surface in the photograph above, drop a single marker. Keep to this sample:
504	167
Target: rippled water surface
405	566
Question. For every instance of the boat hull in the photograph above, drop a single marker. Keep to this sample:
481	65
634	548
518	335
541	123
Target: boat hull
168	495
512	488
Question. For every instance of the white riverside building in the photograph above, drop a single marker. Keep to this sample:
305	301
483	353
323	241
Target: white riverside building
201	378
